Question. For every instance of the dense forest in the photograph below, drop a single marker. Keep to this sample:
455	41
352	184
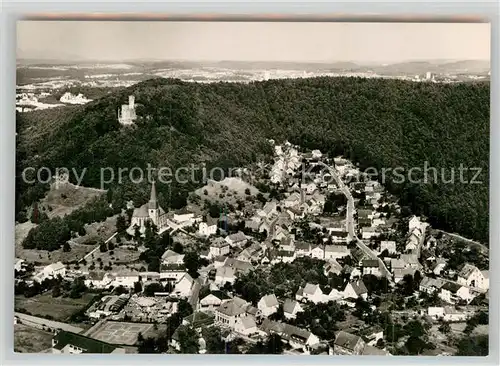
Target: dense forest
376	123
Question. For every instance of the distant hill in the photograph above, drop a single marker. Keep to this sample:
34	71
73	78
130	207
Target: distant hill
377	123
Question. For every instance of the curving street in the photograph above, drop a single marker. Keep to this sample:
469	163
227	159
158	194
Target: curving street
351	224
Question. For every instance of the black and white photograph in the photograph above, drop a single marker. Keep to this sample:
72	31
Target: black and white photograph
252	187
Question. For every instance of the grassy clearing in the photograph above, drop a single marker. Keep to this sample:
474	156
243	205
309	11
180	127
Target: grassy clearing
64	198
59	308
31	340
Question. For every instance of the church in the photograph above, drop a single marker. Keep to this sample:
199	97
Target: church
149	211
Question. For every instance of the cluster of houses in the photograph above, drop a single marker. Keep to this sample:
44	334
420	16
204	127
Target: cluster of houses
277	221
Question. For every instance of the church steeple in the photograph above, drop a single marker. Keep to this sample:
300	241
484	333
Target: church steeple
153	203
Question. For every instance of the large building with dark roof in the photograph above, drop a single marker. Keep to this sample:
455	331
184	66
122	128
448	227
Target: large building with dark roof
72	343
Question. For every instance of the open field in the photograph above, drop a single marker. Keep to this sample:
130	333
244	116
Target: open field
30	340
64	198
98	231
229	190
122	258
119	332
44	257
22	230
95	232
59	308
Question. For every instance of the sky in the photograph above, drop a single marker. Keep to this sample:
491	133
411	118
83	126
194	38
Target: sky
252	41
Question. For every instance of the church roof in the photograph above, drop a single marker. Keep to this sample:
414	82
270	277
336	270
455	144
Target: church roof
141	211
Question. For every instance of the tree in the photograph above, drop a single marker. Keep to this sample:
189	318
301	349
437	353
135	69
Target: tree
274	344
192	263
121	224
445	328
178	248
151	288
415	345
56	290
66	247
184	309
111	246
137	287
213	339
473	346
103	247
188	340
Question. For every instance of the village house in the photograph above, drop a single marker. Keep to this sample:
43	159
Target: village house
207	228
292	200
348	344
410	261
451	314
98	280
268	305
53	270
369	232
238	266
269	210
183	286
332	267
439	266
318	252
400	273
371	267
246	325
388	245
355	289
338	236
435	312
452	293
236	240
309	188
19	264
336	252
213	300
282	256
125	279
471	276
253	225
303	249
185	219
219	247
296	337
287	244
225	274
172	272
430	285
310	292
291	308
352	272
229	312
413	240
371	335
171	257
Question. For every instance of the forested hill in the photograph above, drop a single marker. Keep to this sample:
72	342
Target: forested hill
378	123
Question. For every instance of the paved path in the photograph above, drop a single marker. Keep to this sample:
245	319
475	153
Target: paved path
483	247
351	224
97	248
35	321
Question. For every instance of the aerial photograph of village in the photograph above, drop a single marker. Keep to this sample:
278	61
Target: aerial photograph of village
252	188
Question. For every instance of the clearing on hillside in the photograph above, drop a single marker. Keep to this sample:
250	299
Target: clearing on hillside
64	198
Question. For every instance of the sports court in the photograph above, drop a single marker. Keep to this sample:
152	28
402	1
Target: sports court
120	332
